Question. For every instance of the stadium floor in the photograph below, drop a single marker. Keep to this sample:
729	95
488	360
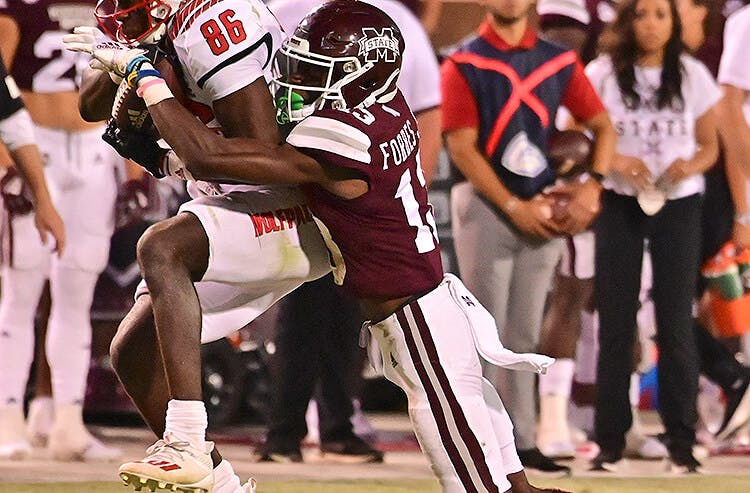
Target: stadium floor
405	469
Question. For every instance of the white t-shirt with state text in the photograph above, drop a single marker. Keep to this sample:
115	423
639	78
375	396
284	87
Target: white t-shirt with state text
735	68
657	136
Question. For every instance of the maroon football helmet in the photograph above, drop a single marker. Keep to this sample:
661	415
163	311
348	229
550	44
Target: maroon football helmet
346	53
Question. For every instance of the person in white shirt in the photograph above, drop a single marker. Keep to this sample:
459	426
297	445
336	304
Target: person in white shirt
661	103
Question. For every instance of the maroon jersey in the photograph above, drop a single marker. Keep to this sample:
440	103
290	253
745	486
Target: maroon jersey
387	237
42	64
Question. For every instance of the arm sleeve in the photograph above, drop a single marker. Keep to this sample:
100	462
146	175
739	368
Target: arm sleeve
580	97
228	46
734	69
458	105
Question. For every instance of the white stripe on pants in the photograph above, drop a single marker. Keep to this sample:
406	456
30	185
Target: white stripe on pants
428	351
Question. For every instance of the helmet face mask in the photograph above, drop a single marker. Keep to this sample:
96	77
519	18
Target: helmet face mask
135	21
345	54
307	81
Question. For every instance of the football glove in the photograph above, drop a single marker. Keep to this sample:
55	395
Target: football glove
107	55
138	147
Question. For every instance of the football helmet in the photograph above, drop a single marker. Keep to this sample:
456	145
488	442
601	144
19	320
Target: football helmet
135	21
344	54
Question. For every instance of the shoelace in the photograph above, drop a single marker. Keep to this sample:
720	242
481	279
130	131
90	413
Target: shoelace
171	451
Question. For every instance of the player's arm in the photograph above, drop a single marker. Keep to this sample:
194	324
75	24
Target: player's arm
10	36
96	95
209	156
248	112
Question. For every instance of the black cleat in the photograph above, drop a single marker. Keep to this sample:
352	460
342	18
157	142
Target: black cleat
737	412
534	460
352	450
607	460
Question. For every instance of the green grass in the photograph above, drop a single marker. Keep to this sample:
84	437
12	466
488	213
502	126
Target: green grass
699	484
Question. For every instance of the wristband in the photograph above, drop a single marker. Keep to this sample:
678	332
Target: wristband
136	63
154	90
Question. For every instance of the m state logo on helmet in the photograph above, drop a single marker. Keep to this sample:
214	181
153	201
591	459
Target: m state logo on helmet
344	54
376	45
135	21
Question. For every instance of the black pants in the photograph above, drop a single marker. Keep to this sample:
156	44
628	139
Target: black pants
674	236
316	341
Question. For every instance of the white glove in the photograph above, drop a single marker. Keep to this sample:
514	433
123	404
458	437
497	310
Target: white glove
108	55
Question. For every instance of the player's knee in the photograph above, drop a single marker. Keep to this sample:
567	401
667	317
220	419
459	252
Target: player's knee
117	348
156	250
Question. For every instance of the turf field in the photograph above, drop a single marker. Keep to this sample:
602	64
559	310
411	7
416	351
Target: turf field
714	484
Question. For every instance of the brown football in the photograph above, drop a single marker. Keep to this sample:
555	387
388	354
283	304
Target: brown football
129	109
569	152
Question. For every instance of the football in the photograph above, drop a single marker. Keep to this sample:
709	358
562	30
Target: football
129	110
569	152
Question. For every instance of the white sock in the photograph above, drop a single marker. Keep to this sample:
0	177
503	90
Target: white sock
558	379
225	479
510	458
187	420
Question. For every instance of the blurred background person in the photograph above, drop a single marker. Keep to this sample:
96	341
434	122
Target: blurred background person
734	115
660	101
23	189
499	106
319	313
80	170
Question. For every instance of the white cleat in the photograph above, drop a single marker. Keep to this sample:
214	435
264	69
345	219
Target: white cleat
70	441
172	465
13	443
558	449
20	450
644	447
96	451
39	421
250	486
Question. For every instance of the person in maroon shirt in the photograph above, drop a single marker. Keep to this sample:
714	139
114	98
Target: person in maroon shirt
355	150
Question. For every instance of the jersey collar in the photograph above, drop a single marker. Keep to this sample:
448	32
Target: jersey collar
488	33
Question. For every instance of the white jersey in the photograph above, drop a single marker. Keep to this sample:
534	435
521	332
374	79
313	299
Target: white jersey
223	46
657	136
734	69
